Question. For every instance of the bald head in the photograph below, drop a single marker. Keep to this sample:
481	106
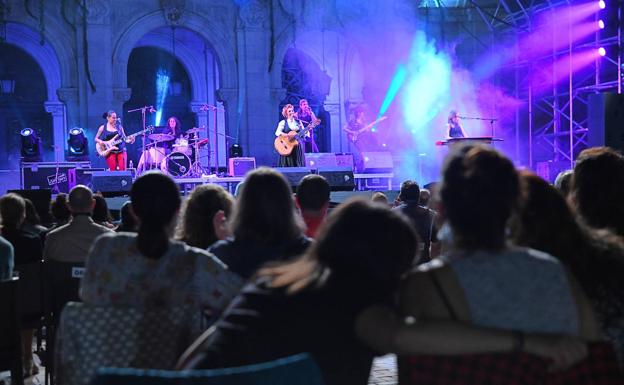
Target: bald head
81	199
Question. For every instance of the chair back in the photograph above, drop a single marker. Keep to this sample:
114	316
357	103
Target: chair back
90	337
299	369
10	337
62	284
30	293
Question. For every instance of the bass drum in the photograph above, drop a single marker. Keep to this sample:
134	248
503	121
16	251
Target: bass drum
176	165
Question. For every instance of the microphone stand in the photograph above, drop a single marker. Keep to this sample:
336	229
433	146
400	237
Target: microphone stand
143	109
491	120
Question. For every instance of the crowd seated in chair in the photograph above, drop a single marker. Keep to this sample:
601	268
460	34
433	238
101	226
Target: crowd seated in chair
10	336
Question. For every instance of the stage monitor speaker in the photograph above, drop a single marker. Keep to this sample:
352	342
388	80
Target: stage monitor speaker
41	199
344	159
377	162
339	178
240	166
605	116
82	176
294	174
320	159
112	183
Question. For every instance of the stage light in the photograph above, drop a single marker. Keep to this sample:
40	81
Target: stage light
77	145
601	24
602	4
31	149
602	51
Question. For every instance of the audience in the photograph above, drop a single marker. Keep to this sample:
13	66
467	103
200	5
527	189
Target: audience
425	197
60	210
264	323
101	215
204	216
149	268
128	221
6	259
312	198
265	225
563	182
32	221
596	257
71	242
379	197
421	217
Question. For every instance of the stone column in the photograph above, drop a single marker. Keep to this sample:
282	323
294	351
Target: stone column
57	109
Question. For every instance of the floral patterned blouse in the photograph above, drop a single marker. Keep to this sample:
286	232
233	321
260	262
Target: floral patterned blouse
117	274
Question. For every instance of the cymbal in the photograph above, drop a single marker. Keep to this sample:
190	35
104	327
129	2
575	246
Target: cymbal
161	137
195	130
202	142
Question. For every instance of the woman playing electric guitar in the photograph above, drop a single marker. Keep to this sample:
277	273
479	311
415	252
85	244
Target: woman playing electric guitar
116	157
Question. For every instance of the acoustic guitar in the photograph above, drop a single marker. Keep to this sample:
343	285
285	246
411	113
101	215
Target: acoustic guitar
353	134
285	143
105	148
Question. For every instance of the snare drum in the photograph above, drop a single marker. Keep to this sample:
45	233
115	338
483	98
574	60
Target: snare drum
182	145
176	165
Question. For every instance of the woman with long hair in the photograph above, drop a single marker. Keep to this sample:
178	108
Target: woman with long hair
149	268
265	225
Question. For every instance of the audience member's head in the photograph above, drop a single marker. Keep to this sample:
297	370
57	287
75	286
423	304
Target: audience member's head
12	211
410	192
155	201
382	246
563	182
81	200
598	187
479	191
265	210
313	194
100	213
380	198
128	222
204	216
425	197
32	217
60	209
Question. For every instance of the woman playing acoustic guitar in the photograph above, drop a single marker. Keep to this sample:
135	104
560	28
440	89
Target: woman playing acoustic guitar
112	129
290	126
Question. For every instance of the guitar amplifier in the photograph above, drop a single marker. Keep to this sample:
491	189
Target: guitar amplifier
240	166
339	178
82	176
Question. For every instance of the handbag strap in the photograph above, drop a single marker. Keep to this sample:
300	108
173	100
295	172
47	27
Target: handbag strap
445	299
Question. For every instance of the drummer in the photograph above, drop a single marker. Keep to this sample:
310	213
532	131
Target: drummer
161	145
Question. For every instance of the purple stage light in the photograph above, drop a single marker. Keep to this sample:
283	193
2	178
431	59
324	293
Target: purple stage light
601	24
602	51
602	4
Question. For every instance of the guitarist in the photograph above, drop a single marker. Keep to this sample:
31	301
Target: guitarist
116	159
306	116
361	138
285	126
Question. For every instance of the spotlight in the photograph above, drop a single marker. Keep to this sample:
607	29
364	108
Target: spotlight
601	24
602	4
77	145
602	51
31	149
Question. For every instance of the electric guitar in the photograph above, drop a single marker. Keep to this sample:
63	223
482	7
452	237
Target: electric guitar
285	143
105	148
353	134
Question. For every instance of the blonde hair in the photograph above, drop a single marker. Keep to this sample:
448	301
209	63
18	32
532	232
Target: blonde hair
285	108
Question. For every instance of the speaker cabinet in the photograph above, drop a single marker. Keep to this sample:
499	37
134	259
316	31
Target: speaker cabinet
339	178
294	174
240	166
82	176
377	162
605	117
320	159
112	183
344	159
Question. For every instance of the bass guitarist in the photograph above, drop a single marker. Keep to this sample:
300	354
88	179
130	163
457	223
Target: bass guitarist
108	132
290	126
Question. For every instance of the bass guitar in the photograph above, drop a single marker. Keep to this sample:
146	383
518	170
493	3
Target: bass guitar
105	148
353	134
285	143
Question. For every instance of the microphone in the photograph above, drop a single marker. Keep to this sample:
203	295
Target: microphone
118	121
152	110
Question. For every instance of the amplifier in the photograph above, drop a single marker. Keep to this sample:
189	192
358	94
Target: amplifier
344	159
111	183
240	166
320	159
377	162
49	175
339	178
82	176
294	174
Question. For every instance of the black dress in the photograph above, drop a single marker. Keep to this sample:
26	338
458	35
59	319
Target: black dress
296	157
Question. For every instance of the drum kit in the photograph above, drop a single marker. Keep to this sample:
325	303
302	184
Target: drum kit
182	161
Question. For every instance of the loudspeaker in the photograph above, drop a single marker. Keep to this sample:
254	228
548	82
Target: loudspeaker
41	199
605	113
82	176
112	183
377	162
344	159
320	159
294	174
339	178
240	166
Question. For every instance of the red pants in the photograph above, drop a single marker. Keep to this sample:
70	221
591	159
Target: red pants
116	161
